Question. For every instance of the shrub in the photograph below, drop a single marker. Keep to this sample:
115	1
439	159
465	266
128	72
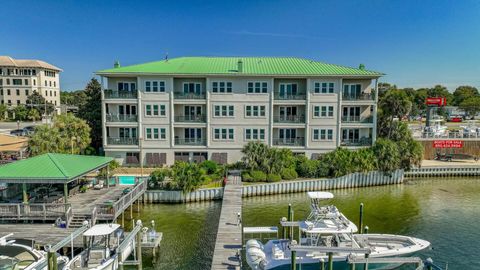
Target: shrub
187	176
307	167
157	177
258	176
289	174
209	166
273	177
246	177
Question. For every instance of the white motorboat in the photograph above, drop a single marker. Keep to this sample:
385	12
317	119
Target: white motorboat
101	252
436	129
326	227
20	254
470	130
276	254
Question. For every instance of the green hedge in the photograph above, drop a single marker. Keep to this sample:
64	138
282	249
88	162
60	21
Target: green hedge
273	178
258	176
289	174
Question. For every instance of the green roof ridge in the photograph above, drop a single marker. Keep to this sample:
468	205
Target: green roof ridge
55	162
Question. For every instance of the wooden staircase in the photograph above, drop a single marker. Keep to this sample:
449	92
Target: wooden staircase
78	219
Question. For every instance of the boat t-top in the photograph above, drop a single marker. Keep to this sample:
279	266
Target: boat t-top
101	251
19	254
325	219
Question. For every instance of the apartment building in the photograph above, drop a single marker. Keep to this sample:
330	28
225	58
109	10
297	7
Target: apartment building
197	108
19	78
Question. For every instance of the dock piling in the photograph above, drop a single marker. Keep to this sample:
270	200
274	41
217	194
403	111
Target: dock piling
365	229
360	222
294	260
330	261
139	246
289	217
322	264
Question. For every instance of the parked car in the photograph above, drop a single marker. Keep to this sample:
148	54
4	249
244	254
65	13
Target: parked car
18	132
29	130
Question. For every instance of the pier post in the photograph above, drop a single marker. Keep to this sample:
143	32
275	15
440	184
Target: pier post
429	263
330	261
294	260
366	262
139	246
352	266
322	264
52	260
131	211
123	219
360	222
365	229
24	191
289	218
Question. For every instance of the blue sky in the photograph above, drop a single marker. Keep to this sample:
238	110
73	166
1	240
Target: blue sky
417	43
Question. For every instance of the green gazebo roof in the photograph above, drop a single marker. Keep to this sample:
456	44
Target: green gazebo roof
51	168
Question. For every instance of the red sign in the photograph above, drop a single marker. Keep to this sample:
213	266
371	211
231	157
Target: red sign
437	101
448	144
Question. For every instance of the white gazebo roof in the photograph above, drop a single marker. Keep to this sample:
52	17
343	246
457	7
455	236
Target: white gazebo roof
322	195
101	229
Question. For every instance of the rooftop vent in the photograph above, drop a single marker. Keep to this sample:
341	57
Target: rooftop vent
116	64
240	65
361	67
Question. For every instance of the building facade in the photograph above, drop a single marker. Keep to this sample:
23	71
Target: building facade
197	108
19	78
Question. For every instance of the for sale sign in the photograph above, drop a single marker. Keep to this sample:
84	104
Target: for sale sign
448	144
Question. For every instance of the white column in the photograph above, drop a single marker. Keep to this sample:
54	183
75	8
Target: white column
207	112
172	113
375	107
270	113
339	113
140	120
104	118
307	114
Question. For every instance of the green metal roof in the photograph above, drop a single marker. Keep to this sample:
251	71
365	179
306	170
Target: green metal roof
251	66
51	168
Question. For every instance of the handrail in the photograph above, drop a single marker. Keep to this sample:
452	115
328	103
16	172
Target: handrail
65	241
33	211
68	215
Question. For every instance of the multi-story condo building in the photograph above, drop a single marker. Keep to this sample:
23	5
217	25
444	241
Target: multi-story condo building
19	78
197	108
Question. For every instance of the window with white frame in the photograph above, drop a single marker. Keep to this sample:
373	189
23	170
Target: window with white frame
155	110
323	111
324	87
254	110
223	133
223	110
222	87
254	134
257	87
154	86
126	86
323	134
155	133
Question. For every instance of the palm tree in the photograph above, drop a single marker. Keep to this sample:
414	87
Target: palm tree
33	115
3	111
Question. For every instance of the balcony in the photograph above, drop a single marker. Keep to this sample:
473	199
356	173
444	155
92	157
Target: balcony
113	94
361	96
191	118
190	141
122	141
357	119
181	95
295	119
299	141
357	142
279	96
121	118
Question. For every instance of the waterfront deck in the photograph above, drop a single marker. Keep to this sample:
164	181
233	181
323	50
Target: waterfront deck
43	234
229	234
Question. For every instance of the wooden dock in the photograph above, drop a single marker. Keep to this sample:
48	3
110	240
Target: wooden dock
43	234
229	234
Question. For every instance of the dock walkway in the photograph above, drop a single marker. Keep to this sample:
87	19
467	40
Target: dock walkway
229	234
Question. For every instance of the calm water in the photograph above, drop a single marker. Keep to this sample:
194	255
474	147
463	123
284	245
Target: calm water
444	211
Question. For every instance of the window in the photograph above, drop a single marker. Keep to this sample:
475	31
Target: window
323	111
1	81
155	133
155	110
18	102
51	93
223	133
26	82
254	110
222	87
126	86
1	92
26	92
54	84
324	87
288	89
55	93
17	81
45	83
223	110
8	81
323	134
154	86
18	92
46	93
254	134
257	87
49	73
8	92
34	82
192	88
352	90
